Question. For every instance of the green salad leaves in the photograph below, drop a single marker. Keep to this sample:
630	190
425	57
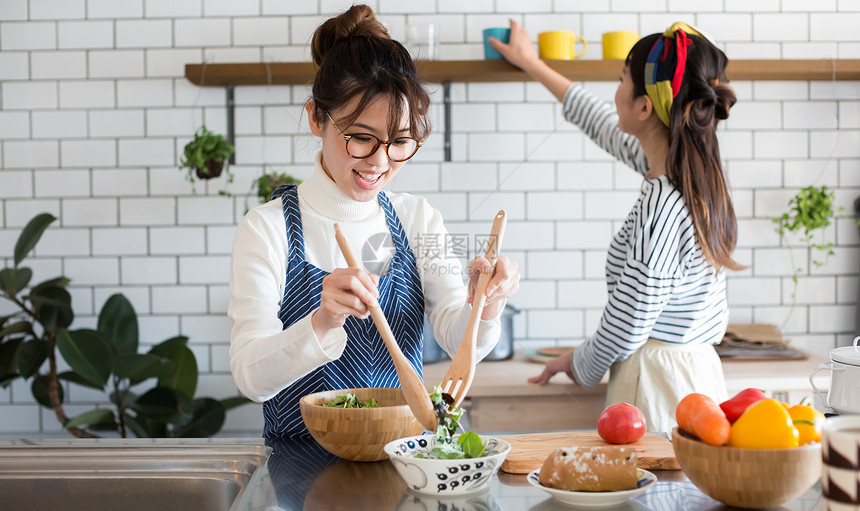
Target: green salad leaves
467	445
351	401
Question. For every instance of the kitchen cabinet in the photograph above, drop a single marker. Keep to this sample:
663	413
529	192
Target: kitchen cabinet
501	400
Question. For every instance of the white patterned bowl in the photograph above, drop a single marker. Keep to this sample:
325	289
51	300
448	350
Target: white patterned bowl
445	477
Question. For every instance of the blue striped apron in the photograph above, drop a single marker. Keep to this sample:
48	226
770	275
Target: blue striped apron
365	361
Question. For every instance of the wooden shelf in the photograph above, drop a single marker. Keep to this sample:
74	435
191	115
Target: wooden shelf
466	71
440	71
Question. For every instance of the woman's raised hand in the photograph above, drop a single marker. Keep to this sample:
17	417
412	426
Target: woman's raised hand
519	50
503	284
345	292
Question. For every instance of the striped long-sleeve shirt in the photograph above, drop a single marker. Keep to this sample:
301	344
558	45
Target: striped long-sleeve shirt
659	283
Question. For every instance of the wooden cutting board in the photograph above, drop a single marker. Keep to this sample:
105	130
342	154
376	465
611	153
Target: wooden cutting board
529	451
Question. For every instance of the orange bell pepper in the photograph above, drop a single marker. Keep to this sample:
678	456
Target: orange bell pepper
808	422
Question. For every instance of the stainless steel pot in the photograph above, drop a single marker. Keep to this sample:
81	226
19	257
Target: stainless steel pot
504	350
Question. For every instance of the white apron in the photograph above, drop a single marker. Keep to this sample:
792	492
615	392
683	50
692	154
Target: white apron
658	375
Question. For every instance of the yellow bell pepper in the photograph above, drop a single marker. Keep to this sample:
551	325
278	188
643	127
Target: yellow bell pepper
808	422
764	425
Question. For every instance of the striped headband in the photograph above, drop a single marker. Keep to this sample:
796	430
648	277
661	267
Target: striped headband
664	67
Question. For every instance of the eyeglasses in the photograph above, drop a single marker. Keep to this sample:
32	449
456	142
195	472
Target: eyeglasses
363	145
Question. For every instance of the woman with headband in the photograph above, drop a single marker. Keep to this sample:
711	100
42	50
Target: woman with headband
665	269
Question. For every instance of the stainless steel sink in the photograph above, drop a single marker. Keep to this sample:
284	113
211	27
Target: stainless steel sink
128	475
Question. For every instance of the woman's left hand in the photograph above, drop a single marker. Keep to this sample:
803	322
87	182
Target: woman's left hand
503	284
560	364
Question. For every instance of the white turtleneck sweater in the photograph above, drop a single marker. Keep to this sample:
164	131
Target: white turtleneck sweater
265	358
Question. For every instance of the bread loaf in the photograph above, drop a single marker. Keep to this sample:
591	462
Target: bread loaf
590	469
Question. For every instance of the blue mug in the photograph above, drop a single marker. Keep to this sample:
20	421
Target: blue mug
502	34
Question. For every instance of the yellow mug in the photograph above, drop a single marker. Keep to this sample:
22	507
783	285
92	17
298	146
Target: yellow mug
616	45
559	45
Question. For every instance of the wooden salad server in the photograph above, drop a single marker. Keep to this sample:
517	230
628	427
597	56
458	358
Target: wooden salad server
416	395
458	379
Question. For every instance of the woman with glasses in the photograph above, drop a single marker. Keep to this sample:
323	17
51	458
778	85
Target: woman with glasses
301	318
665	270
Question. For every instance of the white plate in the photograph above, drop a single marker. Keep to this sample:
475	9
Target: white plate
592	498
534	356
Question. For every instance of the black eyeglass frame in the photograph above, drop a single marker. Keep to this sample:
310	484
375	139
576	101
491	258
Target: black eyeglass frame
378	143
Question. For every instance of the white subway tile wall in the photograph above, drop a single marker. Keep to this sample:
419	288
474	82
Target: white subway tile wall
95	111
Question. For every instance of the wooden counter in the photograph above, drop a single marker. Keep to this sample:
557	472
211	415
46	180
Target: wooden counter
502	400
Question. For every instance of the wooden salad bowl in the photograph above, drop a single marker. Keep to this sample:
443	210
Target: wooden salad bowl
748	478
359	434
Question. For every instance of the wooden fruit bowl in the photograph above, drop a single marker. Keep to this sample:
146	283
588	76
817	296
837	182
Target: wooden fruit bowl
748	478
359	434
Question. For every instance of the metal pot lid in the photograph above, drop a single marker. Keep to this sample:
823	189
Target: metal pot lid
847	355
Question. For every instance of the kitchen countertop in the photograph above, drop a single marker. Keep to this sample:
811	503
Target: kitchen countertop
502	401
509	377
301	475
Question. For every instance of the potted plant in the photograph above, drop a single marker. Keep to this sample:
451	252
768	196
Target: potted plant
105	358
268	183
206	155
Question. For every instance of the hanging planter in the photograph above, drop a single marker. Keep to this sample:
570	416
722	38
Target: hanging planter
211	170
809	213
268	183
206	156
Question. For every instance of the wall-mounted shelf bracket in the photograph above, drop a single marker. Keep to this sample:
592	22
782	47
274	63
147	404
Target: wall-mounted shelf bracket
231	116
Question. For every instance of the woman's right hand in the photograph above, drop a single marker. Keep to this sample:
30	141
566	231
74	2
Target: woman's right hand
519	50
345	292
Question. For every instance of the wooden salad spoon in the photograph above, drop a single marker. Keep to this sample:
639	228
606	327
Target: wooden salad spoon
416	395
458	379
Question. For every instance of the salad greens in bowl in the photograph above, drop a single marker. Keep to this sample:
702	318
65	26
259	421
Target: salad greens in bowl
446	463
346	423
445	476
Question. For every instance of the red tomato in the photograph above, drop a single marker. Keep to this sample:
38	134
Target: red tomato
621	423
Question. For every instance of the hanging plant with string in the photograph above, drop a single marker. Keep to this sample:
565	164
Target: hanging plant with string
207	155
809	213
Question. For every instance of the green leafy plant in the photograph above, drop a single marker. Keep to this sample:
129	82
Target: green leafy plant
105	359
268	183
809	211
206	155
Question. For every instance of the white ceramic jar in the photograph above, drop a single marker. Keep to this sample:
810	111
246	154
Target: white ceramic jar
844	367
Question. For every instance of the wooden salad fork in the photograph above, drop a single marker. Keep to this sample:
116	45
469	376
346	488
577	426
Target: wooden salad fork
458	379
416	395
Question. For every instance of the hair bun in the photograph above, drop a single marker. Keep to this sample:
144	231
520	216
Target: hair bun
698	115
725	99
358	21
